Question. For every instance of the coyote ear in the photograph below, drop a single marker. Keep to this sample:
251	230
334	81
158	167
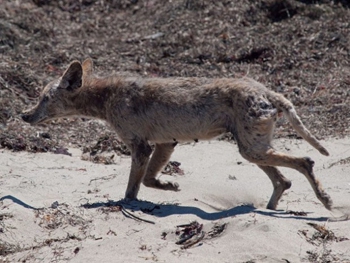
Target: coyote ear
72	77
87	67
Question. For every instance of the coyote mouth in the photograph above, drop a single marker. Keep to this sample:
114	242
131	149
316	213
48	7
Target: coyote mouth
37	122
43	120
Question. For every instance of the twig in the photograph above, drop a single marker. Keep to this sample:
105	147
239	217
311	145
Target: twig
190	242
107	177
130	215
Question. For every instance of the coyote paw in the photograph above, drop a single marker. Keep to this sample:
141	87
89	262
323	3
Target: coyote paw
130	196
167	185
326	201
172	186
163	185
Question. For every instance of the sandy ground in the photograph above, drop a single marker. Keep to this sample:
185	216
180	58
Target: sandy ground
58	208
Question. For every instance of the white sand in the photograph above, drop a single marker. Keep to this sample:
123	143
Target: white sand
218	187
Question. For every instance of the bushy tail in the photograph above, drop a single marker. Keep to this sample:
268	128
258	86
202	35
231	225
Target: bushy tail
282	104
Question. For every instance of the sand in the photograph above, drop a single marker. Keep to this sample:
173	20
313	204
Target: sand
59	208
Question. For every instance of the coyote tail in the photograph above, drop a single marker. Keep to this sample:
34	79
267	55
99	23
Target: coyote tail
284	105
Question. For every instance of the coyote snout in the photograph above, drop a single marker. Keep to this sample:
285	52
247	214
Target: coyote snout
167	111
35	115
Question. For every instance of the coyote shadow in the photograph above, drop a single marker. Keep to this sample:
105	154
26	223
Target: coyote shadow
164	210
18	202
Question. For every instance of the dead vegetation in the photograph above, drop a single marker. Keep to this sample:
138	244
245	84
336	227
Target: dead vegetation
324	234
343	161
321	239
51	219
59	215
53	243
192	234
7	248
173	167
298	48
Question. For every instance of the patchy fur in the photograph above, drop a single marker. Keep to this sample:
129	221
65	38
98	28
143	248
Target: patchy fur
168	110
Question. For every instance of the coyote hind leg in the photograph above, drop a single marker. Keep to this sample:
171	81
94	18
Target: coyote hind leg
303	165
280	184
159	158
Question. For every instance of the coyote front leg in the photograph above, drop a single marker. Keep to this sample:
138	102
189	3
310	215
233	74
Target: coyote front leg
140	152
159	158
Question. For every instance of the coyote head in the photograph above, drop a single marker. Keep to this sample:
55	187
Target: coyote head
57	98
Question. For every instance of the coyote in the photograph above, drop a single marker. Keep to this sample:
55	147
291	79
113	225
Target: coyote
165	111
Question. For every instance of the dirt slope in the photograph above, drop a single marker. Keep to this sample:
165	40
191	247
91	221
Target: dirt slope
299	48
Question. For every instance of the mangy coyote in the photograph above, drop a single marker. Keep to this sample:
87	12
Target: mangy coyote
165	111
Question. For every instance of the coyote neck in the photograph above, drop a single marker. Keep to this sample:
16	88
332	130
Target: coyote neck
92	99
